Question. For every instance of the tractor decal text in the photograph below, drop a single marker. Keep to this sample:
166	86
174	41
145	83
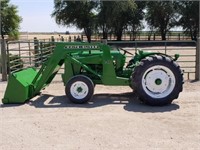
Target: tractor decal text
81	47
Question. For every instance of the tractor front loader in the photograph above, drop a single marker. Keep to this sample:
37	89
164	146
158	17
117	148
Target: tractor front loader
155	77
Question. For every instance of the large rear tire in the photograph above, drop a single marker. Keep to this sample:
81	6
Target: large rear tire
79	89
157	80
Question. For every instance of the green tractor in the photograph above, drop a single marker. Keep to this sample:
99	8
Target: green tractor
155	77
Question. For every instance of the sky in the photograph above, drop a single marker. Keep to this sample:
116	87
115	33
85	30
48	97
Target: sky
36	16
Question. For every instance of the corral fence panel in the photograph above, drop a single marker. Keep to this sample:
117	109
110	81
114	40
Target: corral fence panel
186	50
25	54
33	53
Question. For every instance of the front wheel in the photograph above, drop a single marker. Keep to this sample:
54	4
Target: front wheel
157	80
79	89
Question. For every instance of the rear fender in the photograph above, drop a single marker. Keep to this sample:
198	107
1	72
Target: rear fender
139	55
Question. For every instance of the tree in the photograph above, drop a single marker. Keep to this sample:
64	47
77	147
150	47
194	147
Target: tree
122	13
162	16
10	20
114	16
104	17
135	22
189	12
78	13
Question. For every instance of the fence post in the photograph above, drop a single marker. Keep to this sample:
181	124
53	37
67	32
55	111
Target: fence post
197	75
104	41
4	60
36	50
70	39
62	38
52	39
81	37
179	36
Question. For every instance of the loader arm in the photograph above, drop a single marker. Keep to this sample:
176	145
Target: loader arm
51	67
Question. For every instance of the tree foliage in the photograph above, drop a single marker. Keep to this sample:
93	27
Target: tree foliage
77	13
122	13
10	20
111	16
135	22
189	12
114	16
118	16
162	16
104	17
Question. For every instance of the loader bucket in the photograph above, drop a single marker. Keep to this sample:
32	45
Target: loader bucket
20	88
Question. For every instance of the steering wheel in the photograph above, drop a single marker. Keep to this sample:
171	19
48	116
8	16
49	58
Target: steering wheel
125	51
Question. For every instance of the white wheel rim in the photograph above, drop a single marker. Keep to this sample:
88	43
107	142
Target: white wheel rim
158	81
79	90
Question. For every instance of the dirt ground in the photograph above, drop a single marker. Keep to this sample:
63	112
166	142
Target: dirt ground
113	120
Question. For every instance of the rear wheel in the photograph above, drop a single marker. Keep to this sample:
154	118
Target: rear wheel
79	89
157	80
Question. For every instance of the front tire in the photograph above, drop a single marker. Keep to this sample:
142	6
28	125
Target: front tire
157	80
79	89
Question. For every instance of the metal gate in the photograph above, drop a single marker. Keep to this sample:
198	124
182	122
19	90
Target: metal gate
24	54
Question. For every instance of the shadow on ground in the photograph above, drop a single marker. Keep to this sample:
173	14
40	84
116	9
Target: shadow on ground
129	101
